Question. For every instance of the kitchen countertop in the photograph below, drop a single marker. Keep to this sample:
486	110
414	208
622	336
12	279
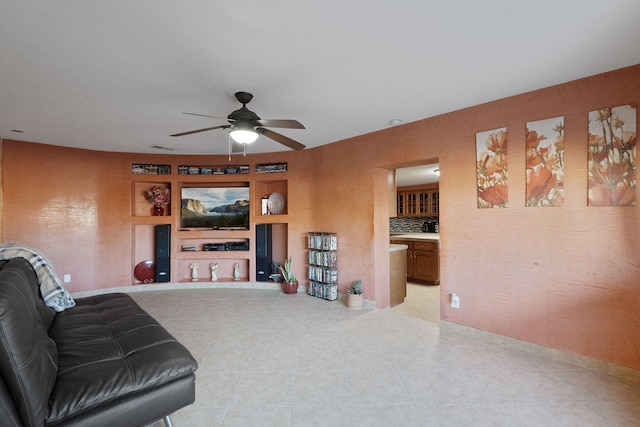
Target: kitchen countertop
395	247
416	236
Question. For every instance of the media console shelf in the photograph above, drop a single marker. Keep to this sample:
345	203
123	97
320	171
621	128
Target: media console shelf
233	247
224	272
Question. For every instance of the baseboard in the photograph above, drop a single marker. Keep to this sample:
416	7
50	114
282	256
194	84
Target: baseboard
274	286
169	286
552	353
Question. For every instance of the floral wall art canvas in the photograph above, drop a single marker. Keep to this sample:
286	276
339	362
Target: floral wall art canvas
491	167
612	156
545	162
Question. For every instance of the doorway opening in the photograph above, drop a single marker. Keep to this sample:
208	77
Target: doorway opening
417	219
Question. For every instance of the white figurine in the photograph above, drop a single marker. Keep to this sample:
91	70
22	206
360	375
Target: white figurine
194	272
214	267
236	271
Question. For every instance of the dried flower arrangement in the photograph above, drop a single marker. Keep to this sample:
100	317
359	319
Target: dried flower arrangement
157	195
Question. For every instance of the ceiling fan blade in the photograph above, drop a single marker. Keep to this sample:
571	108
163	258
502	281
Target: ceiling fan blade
204	115
200	130
290	124
280	138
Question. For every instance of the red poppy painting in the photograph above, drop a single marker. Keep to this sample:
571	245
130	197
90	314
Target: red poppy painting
612	156
491	167
545	162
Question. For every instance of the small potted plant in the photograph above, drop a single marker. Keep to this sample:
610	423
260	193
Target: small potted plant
290	283
354	296
160	197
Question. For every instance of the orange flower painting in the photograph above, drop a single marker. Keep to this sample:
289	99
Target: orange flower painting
545	162
612	156
491	167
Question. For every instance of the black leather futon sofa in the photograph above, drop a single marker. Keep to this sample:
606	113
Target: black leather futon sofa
104	362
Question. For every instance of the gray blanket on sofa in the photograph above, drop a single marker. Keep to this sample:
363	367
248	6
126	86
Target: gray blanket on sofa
53	291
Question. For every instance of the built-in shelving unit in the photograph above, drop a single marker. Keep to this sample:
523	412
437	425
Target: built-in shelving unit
271	168
140	207
213	170
150	169
263	181
264	189
323	265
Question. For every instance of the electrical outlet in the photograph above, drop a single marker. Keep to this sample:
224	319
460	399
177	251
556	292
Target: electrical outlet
455	301
67	278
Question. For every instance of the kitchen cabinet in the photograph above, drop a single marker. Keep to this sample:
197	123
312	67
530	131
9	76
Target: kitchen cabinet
400	206
411	203
434	202
423	260
426	265
418	202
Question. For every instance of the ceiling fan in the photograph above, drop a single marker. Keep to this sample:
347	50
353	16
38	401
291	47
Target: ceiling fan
246	126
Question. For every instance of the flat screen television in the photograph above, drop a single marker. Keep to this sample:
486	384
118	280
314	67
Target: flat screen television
225	208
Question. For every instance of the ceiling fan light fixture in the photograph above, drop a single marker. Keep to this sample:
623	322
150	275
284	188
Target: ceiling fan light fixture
245	126
244	135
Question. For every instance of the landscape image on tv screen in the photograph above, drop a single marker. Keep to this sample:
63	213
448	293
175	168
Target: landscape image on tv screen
215	207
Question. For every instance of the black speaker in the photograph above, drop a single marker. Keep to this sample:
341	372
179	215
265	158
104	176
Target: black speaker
163	252
263	252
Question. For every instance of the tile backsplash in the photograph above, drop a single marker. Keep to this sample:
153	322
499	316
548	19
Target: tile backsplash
407	224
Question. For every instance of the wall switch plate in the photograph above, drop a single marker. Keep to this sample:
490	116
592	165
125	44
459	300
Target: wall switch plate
455	301
67	278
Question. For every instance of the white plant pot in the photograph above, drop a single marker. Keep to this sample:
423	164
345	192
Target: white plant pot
354	302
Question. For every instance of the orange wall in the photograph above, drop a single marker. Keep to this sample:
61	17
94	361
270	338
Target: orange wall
565	277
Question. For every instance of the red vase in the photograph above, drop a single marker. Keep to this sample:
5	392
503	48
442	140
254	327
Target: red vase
290	287
157	211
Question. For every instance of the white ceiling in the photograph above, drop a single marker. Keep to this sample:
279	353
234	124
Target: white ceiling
116	75
418	175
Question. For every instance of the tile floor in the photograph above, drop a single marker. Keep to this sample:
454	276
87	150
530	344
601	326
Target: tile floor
422	302
270	359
